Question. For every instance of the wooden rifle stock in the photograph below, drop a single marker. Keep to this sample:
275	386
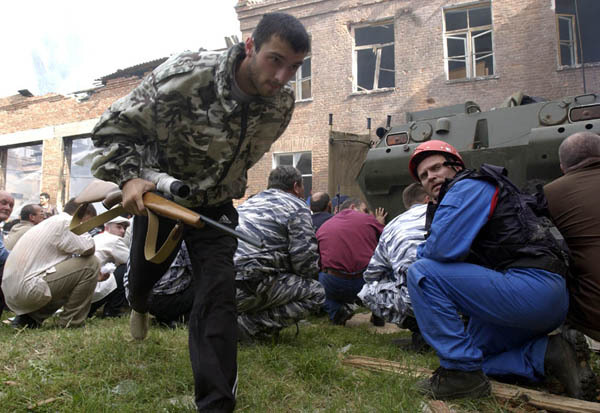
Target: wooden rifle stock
170	209
111	195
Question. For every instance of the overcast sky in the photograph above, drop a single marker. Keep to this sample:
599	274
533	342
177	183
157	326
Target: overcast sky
63	45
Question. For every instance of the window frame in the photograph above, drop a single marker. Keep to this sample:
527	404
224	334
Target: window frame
4	159
296	83
470	56
573	44
295	158
379	46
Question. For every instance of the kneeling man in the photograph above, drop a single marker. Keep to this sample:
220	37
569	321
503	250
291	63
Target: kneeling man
49	268
276	285
490	258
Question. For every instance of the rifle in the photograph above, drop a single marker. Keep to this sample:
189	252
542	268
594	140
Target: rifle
111	197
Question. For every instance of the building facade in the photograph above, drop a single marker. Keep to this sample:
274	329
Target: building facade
370	60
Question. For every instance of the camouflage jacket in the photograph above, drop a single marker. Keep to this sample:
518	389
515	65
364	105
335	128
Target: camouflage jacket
397	247
182	120
283	222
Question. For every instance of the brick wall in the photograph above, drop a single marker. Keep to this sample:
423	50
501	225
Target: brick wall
524	38
525	60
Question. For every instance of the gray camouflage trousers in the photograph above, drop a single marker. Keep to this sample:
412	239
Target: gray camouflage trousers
274	302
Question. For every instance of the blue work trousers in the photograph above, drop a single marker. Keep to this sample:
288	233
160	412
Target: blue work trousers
510	314
339	291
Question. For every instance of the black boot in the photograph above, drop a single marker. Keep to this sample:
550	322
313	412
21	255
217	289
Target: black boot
446	384
416	343
377	321
343	314
566	360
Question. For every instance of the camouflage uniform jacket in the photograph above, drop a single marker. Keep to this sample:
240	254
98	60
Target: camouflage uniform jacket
397	247
283	222
182	120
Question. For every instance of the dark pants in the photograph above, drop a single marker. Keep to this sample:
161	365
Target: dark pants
339	291
2	302
168	308
114	301
213	323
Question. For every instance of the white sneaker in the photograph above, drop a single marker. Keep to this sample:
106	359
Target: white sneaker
138	325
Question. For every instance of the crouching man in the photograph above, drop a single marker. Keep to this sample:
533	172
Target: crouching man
49	268
385	292
488	257
276	285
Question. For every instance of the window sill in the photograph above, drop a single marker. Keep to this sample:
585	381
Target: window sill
310	99
577	67
374	91
473	79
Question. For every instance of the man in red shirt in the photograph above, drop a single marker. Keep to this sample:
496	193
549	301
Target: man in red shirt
346	245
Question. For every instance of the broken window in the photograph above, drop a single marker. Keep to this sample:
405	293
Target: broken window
468	42
301	161
302	81
577	31
374	57
79	154
22	167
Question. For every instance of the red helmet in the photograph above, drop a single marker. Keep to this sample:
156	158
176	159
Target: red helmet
429	148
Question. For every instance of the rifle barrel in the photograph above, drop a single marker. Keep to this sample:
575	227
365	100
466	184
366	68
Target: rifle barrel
246	238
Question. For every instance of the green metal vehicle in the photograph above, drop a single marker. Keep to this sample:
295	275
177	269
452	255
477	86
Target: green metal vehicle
523	135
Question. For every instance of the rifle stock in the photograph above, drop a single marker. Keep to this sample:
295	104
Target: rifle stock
110	196
170	209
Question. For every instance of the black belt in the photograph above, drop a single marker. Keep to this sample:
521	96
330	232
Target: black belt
344	275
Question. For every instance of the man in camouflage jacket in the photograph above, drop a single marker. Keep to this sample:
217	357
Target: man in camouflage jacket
277	286
204	118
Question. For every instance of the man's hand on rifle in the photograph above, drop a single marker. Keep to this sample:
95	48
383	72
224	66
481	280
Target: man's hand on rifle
132	192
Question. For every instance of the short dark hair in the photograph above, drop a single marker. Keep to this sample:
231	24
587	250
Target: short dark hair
578	147
27	210
284	177
351	201
45	195
413	194
319	202
72	206
286	26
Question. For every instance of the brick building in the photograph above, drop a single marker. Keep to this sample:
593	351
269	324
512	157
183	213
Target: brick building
369	59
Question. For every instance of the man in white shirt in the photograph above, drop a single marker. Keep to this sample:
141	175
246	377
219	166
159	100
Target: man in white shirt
49	268
111	250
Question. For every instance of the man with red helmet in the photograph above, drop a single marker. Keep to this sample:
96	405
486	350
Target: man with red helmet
489	257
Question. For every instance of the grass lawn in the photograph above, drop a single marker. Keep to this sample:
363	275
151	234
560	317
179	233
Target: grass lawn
99	369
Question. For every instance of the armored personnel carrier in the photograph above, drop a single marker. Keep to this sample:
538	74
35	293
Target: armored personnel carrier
523	135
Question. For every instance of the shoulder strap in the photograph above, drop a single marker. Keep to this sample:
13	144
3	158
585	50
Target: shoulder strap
78	228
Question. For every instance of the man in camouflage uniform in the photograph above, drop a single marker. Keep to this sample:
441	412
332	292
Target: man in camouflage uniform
204	118
385	291
277	286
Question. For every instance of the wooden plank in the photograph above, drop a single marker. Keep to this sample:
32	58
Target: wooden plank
538	399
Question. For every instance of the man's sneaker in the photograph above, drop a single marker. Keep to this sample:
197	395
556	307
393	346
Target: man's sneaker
566	360
377	321
416	343
446	384
23	320
138	325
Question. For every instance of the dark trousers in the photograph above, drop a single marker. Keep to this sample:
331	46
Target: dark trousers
173	307
2	302
339	291
213	322
114	301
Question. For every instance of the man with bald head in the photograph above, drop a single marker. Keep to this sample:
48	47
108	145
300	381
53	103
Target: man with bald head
7	202
320	205
573	201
